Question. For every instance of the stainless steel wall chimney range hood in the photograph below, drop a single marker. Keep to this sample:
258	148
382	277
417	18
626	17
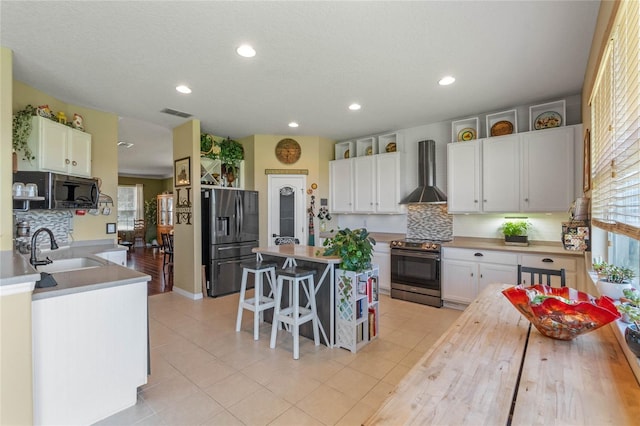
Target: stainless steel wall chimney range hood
426	192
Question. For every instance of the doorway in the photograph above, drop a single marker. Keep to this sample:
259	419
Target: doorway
286	204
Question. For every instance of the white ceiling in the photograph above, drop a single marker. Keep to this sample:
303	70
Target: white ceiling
313	59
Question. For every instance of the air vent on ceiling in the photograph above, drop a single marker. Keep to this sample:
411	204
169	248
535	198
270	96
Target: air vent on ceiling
176	113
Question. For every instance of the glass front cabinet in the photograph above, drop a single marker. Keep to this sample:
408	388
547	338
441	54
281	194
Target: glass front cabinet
165	215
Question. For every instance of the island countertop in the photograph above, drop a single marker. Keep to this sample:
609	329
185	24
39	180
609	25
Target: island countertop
470	374
300	252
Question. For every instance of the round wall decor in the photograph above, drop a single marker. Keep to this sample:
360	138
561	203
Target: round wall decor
288	151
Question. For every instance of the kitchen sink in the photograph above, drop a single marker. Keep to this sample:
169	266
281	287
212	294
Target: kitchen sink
71	264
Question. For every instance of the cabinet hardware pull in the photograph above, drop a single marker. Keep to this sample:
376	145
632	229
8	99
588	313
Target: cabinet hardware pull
478	254
66	161
475	201
547	260
526	199
74	163
472	274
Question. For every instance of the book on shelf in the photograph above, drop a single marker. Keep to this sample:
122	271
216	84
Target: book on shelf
372	323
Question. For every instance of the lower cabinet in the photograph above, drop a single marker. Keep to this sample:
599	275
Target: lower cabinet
466	272
357	313
117	256
382	258
89	354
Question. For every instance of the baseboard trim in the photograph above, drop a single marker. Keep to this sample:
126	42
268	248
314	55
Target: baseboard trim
187	294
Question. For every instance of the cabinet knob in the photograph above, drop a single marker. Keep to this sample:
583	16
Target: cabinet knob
66	161
472	274
526	200
475	201
74	163
484	201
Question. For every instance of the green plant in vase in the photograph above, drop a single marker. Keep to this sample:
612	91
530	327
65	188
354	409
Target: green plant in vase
231	154
208	147
354	247
613	280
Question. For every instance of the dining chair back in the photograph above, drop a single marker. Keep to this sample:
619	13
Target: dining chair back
536	275
285	240
167	247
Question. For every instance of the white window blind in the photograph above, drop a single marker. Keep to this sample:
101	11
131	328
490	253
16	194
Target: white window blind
615	119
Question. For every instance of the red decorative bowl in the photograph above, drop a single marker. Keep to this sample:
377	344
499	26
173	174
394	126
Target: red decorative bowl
562	313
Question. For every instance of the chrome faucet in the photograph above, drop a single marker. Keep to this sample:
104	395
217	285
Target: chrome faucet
54	246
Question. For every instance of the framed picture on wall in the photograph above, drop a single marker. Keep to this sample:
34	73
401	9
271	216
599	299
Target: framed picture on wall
586	171
182	171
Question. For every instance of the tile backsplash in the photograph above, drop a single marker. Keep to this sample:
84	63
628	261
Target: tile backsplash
429	221
60	222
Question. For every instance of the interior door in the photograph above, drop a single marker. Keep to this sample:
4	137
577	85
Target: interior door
287	213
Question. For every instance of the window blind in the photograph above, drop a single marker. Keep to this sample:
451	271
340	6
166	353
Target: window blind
615	119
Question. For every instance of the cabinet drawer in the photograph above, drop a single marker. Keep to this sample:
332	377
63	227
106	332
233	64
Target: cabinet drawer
542	261
481	256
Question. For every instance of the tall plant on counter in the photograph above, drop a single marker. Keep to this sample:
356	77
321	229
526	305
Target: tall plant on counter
22	131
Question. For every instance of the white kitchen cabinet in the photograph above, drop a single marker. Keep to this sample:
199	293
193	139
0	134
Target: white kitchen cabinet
547	182
369	184
464	177
572	265
382	258
526	172
117	256
89	354
341	186
58	148
466	272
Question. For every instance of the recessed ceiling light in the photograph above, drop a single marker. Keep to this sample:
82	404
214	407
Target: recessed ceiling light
246	51
183	89
293	124
447	80
355	107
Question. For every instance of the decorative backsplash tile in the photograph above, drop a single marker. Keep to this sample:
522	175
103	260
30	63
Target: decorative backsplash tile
429	221
60	222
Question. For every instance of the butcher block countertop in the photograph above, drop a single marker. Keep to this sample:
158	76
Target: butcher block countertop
470	374
534	247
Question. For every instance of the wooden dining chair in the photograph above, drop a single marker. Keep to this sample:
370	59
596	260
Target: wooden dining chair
139	232
167	247
540	273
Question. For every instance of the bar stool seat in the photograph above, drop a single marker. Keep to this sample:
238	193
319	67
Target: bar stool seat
259	302
294	315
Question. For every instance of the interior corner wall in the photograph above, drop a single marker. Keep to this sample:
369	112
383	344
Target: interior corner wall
248	144
103	128
187	263
6	148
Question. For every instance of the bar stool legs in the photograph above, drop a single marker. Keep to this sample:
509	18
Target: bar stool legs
294	315
259	302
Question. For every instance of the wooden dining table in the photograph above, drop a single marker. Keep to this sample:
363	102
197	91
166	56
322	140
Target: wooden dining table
311	257
489	368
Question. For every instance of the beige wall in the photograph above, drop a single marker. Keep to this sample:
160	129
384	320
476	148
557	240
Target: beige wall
103	128
187	238
6	179
316	153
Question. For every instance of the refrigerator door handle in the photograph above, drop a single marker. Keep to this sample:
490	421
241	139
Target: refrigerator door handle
241	209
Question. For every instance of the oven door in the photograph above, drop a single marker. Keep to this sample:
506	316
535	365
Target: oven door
416	269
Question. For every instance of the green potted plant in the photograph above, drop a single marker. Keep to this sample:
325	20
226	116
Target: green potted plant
231	153
613	280
151	219
515	232
208	147
355	248
22	130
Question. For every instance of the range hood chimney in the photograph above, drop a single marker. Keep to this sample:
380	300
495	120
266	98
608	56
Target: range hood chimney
427	192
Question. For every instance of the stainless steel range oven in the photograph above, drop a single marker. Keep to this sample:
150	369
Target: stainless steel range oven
415	271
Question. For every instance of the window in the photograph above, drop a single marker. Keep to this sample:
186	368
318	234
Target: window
130	206
615	150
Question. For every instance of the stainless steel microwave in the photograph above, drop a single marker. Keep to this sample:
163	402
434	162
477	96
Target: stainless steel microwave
61	191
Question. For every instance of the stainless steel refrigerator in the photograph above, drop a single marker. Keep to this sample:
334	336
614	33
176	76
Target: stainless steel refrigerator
229	232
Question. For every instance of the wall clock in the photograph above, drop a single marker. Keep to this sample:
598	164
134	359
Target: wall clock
288	151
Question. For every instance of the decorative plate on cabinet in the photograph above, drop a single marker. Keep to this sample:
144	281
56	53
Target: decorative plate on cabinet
547	120
466	134
391	147
346	154
501	128
369	151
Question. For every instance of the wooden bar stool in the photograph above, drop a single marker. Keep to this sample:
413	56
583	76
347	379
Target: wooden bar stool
259	302
294	314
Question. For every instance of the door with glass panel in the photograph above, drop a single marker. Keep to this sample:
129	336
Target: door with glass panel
287	207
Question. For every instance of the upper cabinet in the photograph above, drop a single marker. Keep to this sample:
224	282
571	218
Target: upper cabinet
528	172
341	186
58	148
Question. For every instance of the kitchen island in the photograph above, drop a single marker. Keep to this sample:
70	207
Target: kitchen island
310	257
470	375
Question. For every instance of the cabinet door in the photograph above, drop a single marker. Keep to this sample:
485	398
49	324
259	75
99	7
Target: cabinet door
53	141
547	170
500	174
79	153
492	273
464	177
388	182
364	173
381	257
340	181
459	281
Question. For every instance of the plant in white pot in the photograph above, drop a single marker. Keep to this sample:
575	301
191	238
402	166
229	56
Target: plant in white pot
613	280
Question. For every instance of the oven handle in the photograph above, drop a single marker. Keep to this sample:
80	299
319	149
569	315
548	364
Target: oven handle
411	253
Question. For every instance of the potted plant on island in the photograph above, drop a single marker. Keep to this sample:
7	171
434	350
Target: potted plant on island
354	247
613	280
515	232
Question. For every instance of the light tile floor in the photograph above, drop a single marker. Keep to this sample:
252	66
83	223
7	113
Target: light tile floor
204	373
